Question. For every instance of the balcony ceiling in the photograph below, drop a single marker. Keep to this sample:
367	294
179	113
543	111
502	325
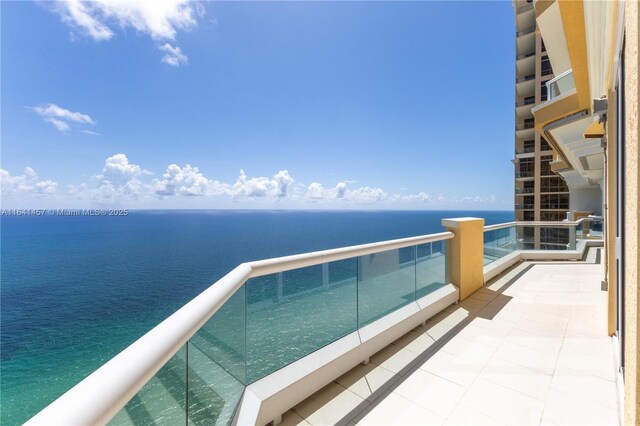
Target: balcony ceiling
526	88
526	43
524	111
526	66
585	155
525	19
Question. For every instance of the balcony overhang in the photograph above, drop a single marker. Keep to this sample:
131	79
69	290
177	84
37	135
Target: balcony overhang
581	160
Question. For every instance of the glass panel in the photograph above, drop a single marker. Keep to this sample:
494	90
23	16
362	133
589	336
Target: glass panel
217	355
294	313
590	229
499	243
162	400
430	267
386	281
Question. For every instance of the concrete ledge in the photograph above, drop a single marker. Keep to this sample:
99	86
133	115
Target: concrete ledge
268	398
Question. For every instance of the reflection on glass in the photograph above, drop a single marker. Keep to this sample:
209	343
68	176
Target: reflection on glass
161	400
294	313
386	282
430	268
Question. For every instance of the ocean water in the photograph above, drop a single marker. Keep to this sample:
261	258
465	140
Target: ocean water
75	291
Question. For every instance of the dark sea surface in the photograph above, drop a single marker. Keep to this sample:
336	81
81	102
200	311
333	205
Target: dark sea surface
75	291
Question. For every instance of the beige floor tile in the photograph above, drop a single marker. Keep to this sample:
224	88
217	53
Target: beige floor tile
452	315
458	370
366	380
469	349
394	358
465	416
588	362
591	388
581	329
565	409
538	341
484	335
527	357
507	405
416	342
437	330
291	418
541	327
431	392
396	410
525	380
330	405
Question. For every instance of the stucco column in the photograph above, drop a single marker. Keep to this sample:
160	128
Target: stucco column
464	254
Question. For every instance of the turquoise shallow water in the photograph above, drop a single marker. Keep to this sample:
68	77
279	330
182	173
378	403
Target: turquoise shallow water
77	290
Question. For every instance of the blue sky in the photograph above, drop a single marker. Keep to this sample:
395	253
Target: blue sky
257	105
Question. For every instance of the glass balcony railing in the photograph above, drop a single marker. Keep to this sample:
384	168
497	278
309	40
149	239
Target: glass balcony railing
525	174
276	319
524	206
525	32
267	315
525	126
504	239
525	190
524	55
525	78
526	150
524	102
560	84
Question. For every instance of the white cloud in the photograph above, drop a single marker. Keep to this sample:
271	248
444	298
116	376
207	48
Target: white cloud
118	170
174	55
160	20
26	183
316	191
259	187
127	184
62	118
182	181
421	196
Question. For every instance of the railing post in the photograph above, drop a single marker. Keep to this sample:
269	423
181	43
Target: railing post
465	254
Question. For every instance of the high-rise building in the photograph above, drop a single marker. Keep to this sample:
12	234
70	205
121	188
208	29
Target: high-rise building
540	194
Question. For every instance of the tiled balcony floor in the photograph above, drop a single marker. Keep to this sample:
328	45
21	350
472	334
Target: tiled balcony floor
530	348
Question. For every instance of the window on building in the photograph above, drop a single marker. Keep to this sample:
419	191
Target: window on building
553	184
554	201
545	66
529	146
545	165
525	168
544	145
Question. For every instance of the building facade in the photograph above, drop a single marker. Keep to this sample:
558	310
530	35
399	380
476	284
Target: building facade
540	194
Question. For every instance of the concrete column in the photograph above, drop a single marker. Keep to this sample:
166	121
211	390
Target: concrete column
465	254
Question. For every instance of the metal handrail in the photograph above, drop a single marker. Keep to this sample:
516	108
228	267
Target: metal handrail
548	223
101	395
